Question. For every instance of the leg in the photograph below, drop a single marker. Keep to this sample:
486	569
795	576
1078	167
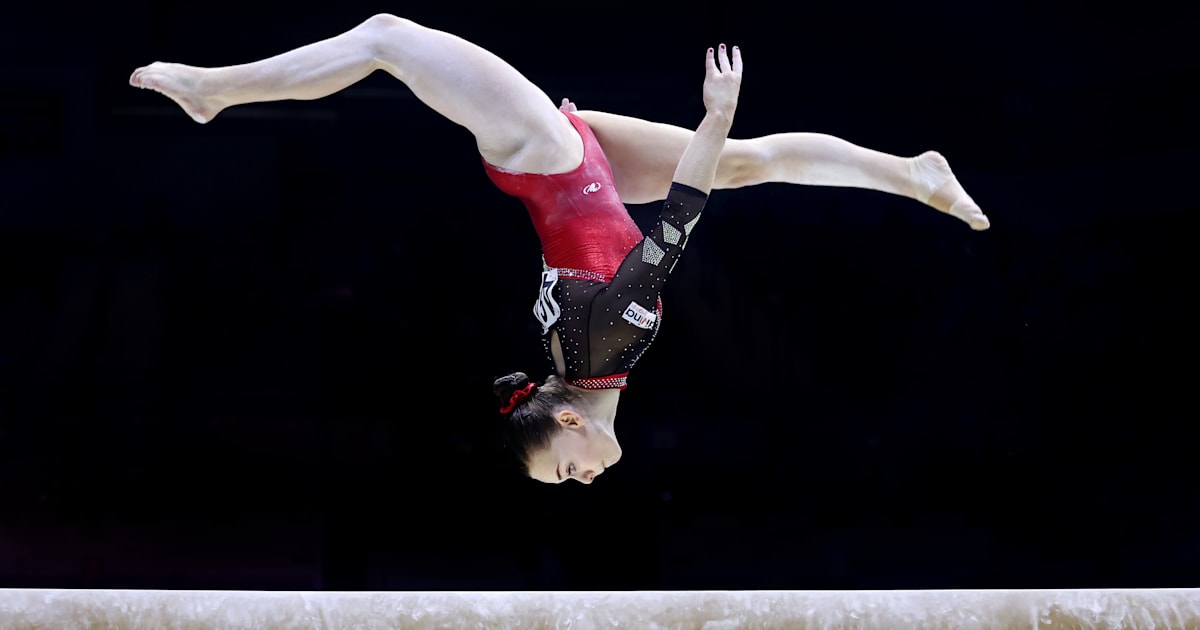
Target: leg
514	123
643	156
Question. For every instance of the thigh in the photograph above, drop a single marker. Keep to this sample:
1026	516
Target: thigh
644	155
515	124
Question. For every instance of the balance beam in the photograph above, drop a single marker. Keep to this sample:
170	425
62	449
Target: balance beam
22	609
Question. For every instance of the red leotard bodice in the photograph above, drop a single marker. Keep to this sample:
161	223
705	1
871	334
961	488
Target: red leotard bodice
578	215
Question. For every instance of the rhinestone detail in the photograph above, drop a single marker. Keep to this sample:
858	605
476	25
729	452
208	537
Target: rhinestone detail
651	253
582	274
616	381
670	234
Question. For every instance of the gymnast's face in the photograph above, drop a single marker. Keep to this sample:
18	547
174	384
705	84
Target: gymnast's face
581	450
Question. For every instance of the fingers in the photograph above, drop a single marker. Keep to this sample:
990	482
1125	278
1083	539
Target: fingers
710	64
721	58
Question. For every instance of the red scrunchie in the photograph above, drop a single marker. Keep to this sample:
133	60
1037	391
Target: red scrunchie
518	396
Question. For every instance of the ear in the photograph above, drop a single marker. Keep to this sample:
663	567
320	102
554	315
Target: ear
569	419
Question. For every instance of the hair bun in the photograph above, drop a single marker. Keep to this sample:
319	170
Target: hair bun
504	386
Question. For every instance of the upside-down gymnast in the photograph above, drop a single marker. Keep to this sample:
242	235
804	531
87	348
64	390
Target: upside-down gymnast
598	302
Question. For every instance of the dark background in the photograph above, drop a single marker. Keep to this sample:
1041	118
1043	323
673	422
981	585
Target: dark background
258	353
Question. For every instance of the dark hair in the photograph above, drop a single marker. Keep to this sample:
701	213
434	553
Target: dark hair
530	425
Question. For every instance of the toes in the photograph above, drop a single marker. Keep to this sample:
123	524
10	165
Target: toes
139	79
977	220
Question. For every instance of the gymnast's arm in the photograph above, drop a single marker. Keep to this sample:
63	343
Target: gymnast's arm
698	167
693	180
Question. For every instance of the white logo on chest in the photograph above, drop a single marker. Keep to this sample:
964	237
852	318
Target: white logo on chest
591	188
638	316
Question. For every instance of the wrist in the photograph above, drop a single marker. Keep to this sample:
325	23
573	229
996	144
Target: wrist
717	118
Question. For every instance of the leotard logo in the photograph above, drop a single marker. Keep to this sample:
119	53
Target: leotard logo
637	315
591	188
546	310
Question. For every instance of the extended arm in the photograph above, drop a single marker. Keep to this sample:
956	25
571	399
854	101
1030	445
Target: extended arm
698	166
645	269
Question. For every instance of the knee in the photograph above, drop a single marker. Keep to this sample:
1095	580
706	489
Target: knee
380	24
379	34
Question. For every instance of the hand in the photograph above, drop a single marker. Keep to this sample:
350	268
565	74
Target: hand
567	106
722	84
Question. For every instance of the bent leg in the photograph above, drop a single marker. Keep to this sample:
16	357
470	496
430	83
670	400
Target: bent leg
643	156
514	123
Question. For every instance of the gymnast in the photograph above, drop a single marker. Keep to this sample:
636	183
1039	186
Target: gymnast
574	170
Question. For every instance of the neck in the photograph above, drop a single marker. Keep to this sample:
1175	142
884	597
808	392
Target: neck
600	404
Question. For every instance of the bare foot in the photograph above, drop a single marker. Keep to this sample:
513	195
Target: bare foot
181	84
939	188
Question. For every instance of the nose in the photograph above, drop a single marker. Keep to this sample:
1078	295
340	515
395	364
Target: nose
588	476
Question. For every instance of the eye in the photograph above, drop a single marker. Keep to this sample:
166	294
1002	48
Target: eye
570	469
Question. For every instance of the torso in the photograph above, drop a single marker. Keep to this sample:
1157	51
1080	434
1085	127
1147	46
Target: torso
578	215
608	273
598	328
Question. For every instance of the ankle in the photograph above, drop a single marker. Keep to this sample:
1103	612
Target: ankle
928	172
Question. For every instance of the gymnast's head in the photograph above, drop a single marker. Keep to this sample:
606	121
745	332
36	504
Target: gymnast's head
557	431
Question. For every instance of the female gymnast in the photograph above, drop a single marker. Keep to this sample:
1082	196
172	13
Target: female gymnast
574	170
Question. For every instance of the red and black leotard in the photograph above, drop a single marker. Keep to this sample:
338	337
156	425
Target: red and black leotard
602	279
